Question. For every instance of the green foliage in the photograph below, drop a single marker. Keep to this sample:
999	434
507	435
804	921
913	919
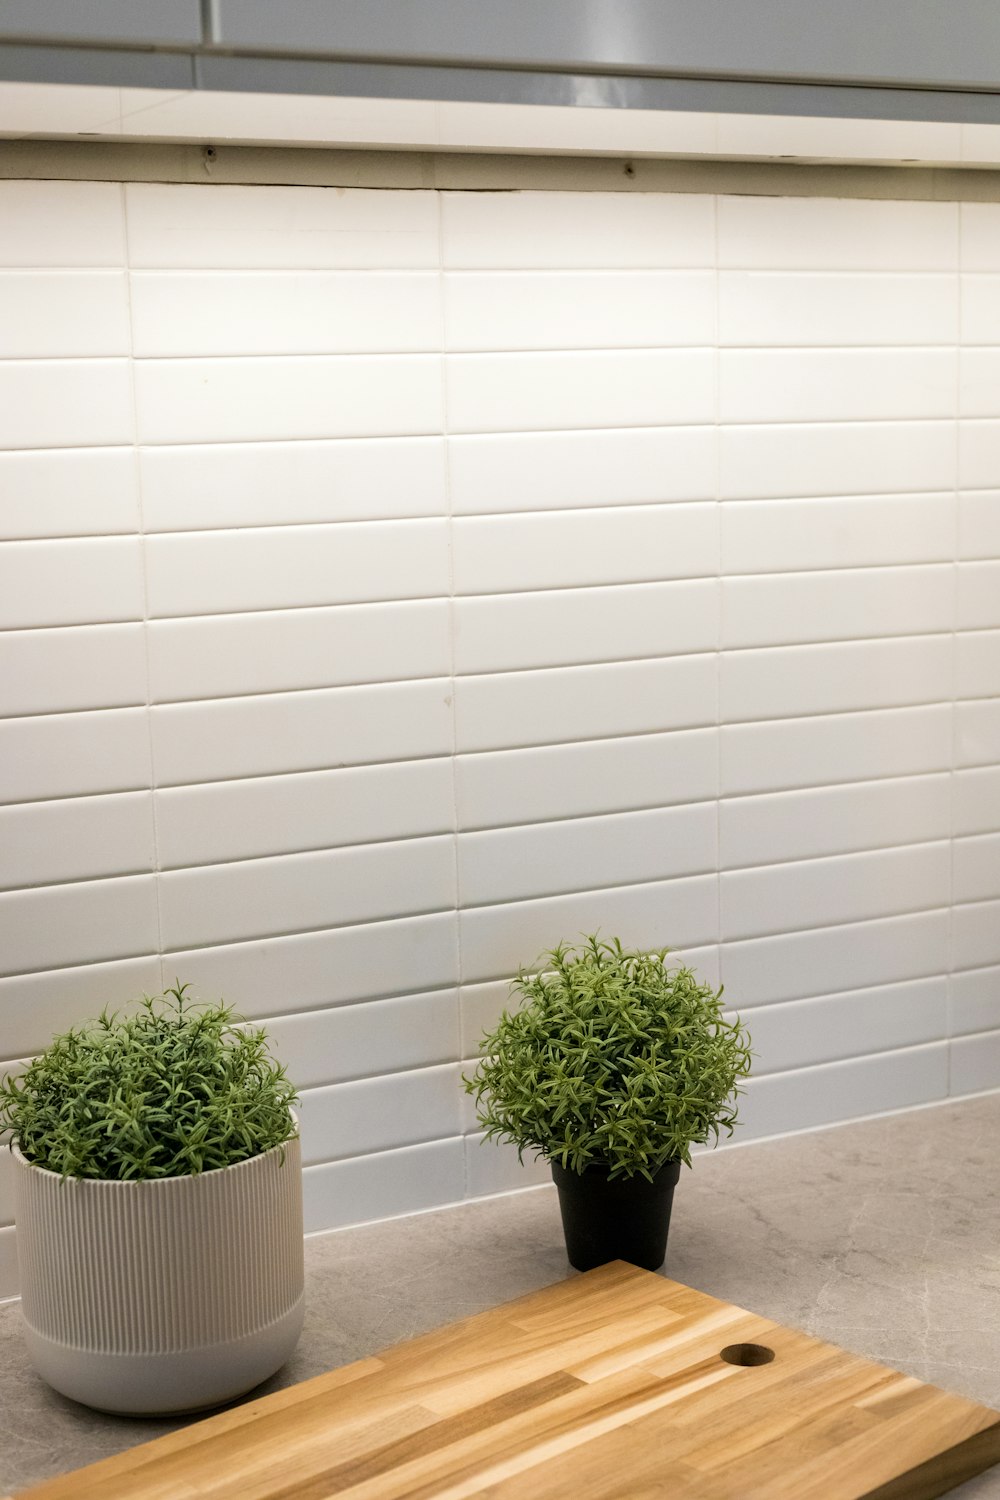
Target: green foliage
169	1091
612	1059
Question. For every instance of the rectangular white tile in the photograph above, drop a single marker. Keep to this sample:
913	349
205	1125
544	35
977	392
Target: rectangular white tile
572	230
979	382
979	454
482	1003
836	459
6	1186
266	977
215	572
77	492
366	1040
979	525
44	843
521	471
780	609
578	309
299	892
383	1186
976	935
231	820
272	484
79	581
845	888
297	648
775	536
597	702
833	820
61	224
275	228
836	385
305	731
804	1033
624	544
306	396
65	403
509	864
774	308
837	234
810	1097
53	671
53	314
975	1001
493	1168
509	631
792	680
37	1007
380	1114
797	965
60	925
72	755
977	868
498	940
975	1064
284	312
980	236
482	1006
977	663
976	800
981	309
844	747
604	388
978	590
977	733
563	781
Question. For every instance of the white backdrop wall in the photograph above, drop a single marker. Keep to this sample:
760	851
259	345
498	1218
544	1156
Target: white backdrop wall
398	582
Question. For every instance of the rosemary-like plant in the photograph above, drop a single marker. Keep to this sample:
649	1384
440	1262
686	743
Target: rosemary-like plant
613	1059
169	1091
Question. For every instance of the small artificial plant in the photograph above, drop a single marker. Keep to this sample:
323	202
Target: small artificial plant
171	1090
612	1060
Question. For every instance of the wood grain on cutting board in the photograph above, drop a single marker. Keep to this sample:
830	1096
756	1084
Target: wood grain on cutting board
608	1386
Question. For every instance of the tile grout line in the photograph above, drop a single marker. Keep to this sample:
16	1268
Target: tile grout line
720	591
953	745
452	657
143	562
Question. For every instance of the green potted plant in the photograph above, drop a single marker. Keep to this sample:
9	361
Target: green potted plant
158	1207
612	1067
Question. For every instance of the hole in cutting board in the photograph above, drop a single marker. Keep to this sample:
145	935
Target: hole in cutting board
746	1354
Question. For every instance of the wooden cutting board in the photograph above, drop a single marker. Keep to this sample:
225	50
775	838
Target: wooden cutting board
609	1386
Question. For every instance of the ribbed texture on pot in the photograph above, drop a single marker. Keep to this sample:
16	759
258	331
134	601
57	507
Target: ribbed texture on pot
161	1266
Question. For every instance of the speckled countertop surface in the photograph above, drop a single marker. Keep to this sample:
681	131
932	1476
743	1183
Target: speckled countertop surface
882	1236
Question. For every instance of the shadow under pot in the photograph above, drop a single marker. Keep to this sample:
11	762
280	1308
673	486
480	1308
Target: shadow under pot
170	1295
620	1218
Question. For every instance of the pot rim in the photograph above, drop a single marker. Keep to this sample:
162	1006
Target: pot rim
602	1169
152	1182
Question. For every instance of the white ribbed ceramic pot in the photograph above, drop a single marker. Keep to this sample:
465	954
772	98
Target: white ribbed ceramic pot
163	1296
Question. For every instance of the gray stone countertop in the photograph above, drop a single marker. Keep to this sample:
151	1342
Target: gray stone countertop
883	1236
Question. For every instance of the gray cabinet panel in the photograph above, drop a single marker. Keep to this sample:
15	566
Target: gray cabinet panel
921	42
129	21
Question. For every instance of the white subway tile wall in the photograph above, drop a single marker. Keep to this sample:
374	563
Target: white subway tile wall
394	583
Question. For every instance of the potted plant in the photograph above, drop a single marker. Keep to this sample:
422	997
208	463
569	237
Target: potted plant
613	1066
158	1208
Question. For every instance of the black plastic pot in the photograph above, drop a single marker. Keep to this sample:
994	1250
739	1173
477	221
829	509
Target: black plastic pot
623	1219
